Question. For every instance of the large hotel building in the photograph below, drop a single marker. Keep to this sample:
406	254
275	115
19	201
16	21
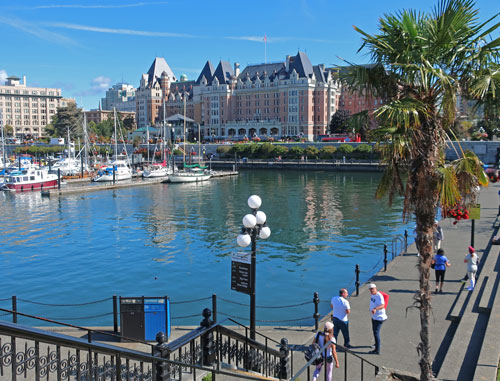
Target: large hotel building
28	109
289	98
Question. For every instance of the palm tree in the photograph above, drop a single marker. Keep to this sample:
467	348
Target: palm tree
420	63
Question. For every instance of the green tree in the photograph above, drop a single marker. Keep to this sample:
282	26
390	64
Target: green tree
420	62
129	124
340	122
69	117
327	152
295	153
311	152
8	130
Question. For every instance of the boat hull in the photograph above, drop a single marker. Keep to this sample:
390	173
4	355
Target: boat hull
28	187
188	177
118	177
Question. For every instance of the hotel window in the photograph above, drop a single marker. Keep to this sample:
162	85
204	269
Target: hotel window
34	92
26	117
26	110
18	110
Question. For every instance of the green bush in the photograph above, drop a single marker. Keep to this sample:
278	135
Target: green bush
295	153
327	152
224	151
177	152
280	150
363	151
345	149
266	151
311	152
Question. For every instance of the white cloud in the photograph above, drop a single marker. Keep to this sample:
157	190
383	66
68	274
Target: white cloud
86	6
97	86
3	77
117	31
35	30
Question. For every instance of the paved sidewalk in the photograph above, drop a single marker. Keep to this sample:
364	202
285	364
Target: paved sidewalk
400	333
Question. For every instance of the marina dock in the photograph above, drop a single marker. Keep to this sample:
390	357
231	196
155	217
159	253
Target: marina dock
85	185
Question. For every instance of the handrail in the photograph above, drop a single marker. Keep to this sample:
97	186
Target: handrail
200	331
89	330
29	333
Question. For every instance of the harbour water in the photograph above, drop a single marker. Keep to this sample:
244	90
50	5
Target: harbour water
177	240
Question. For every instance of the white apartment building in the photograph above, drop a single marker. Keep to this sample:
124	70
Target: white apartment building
28	109
121	96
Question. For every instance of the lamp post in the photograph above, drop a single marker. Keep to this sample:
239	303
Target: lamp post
254	227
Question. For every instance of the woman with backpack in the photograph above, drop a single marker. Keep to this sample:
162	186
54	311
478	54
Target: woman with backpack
471	259
331	353
439	263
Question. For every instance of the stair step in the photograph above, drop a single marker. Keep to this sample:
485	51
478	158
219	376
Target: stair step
459	306
486	301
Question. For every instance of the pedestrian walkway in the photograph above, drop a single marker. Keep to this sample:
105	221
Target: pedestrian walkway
400	333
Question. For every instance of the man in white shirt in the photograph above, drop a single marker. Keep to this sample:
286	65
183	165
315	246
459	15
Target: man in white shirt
377	310
341	309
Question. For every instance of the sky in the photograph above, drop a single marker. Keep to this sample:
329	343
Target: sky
86	46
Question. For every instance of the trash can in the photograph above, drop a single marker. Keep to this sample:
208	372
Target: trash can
141	318
132	317
156	317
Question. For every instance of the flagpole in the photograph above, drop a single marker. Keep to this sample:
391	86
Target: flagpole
265	48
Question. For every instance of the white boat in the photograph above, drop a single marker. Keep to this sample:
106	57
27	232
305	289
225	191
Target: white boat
157	170
68	167
29	179
190	174
121	169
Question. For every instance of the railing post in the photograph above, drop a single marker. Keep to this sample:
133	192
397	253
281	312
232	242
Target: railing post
14	308
357	279
284	371
316	313
161	350
114	174
59	178
385	258
115	314
207	339
406	241
214	307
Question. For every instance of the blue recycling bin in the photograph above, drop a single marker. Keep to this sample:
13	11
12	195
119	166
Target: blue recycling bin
156	317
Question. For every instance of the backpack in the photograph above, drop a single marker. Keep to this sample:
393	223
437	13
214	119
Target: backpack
386	299
312	350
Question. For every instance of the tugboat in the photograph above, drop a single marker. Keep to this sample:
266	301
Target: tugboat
29	179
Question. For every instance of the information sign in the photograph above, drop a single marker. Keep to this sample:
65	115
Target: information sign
240	272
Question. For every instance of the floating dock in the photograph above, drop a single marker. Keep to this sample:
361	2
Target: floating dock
83	185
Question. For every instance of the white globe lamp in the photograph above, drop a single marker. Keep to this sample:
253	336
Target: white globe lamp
265	232
244	240
261	217
254	202
249	221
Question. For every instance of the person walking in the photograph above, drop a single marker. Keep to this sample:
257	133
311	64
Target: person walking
472	260
331	353
440	263
341	309
438	236
377	310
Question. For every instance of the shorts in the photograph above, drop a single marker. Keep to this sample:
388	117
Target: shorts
440	275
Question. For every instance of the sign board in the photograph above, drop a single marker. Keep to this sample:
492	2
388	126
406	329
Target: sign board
475	212
240	272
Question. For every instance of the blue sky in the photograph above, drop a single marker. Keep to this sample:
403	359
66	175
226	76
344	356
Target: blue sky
85	46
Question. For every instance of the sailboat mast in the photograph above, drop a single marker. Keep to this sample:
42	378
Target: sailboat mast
69	146
164	157
184	150
3	149
85	139
199	144
116	136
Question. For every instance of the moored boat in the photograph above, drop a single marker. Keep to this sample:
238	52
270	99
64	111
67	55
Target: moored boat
121	169
29	179
191	173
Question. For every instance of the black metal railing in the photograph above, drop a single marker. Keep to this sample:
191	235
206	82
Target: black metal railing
32	354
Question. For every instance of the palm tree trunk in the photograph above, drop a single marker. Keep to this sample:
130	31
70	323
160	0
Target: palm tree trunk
423	191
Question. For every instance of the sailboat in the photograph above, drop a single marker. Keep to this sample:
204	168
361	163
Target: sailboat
120	167
159	169
190	173
70	165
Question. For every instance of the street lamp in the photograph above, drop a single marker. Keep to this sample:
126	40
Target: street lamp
254	227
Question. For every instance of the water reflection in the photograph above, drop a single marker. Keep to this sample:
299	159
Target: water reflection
176	239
